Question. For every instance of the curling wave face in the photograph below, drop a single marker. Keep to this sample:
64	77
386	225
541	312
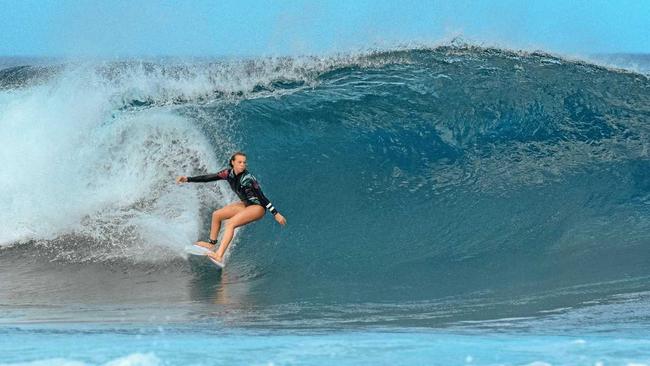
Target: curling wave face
407	175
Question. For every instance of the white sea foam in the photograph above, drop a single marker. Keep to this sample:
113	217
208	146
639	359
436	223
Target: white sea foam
135	359
73	164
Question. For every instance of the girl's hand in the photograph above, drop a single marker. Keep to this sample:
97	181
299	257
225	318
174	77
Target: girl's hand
280	219
181	179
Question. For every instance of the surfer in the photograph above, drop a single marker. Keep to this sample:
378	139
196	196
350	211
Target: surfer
251	207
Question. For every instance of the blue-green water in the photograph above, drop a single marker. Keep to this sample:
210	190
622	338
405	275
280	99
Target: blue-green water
84	345
456	205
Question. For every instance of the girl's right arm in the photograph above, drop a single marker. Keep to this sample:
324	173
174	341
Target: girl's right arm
204	178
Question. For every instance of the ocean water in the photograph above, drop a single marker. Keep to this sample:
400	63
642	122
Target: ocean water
448	205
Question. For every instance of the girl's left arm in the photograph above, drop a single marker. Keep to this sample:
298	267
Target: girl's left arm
254	194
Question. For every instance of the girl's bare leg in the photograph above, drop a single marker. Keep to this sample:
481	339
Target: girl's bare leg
247	215
219	215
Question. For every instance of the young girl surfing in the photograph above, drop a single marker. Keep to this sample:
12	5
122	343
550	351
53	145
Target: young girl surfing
251	207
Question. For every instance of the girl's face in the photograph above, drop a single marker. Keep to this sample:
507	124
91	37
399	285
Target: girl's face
239	164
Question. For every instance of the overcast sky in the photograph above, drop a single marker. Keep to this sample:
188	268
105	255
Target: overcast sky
211	27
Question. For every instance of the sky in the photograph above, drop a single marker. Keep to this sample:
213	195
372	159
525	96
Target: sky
103	28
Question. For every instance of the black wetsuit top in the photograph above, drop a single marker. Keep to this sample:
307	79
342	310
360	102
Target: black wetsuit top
244	185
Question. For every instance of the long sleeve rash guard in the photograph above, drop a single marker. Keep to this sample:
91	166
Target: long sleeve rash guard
243	184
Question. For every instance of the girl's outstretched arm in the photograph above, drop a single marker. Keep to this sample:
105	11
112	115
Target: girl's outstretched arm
204	178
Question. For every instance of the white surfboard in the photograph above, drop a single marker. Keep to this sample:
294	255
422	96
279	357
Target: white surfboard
203	252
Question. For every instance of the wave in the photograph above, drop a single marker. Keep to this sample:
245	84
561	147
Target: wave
404	174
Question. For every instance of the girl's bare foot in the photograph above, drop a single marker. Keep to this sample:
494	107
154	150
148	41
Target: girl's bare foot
215	256
204	244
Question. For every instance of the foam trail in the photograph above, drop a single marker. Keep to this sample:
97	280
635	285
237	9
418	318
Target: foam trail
72	163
